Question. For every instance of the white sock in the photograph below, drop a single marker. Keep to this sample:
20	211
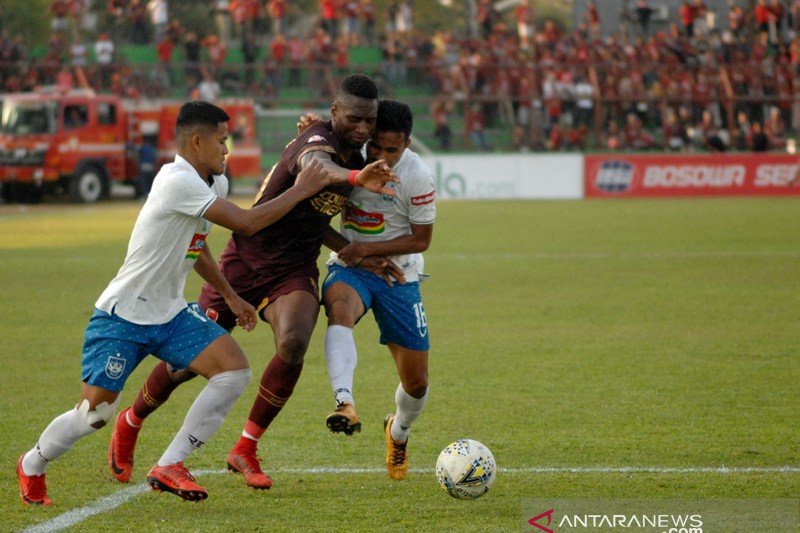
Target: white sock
408	409
206	414
55	441
341	356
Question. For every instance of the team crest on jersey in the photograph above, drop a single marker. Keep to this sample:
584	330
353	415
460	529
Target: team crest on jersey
115	366
363	222
315	139
196	246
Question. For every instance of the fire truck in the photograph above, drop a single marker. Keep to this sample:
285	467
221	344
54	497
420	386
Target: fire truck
78	142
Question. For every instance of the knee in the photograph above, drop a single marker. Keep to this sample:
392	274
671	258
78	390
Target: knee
340	314
100	415
235	380
292	346
180	376
417	385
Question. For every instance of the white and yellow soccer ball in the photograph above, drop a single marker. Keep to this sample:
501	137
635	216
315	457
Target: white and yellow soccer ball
466	469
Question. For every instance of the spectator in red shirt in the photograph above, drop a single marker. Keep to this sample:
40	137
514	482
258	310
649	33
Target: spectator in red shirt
277	11
524	19
475	127
330	17
593	20
165	49
763	17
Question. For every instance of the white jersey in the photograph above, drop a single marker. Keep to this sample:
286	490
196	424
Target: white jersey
370	217
166	241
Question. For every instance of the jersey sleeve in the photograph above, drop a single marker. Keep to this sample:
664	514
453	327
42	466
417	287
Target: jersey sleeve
421	197
188	195
316	139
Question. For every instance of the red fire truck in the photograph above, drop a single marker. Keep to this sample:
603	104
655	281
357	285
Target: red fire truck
79	142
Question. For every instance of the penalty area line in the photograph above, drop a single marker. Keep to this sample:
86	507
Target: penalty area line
112	501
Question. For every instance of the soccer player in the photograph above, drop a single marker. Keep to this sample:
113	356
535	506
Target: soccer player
401	228
142	311
276	271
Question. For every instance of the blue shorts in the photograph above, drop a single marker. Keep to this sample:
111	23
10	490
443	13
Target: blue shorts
398	310
114	347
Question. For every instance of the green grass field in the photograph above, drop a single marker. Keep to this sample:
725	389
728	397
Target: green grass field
601	349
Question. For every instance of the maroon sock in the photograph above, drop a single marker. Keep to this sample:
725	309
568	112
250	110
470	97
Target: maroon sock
154	392
277	384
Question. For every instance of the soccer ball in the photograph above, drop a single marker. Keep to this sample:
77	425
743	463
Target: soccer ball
466	469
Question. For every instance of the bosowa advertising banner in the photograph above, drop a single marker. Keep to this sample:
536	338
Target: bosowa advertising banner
634	175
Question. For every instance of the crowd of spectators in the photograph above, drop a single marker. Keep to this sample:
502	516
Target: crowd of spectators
695	83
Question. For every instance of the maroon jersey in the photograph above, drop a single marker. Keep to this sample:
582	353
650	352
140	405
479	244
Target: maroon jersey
297	237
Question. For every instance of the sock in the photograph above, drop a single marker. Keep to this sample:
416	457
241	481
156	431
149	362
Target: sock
55	441
277	385
132	420
341	356
408	409
206	414
153	393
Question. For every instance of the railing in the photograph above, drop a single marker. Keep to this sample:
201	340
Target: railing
512	118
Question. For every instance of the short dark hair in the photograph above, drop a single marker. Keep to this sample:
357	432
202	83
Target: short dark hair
358	85
394	116
199	113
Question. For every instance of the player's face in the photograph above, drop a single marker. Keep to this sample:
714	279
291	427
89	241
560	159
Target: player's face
387	145
212	148
353	120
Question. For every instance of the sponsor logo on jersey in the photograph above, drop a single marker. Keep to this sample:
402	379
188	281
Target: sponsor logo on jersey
115	366
423	199
328	203
363	222
197	245
315	139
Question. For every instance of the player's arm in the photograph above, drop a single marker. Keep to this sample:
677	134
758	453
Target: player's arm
416	242
225	213
207	268
372	177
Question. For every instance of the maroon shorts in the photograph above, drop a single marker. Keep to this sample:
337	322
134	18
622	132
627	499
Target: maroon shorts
255	288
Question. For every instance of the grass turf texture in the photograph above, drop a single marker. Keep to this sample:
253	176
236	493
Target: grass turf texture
565	334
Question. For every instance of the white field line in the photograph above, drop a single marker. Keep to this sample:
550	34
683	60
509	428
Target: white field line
111	502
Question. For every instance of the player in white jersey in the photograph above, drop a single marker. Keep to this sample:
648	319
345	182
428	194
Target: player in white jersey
143	310
400	227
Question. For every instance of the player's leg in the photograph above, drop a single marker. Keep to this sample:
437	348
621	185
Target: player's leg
403	325
94	410
344	305
112	351
410	397
292	317
205	348
157	388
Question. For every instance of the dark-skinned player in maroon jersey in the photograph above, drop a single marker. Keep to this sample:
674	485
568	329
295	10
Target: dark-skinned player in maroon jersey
276	271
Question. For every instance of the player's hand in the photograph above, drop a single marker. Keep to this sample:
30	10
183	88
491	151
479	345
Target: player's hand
352	254
374	177
313	178
306	121
384	267
245	313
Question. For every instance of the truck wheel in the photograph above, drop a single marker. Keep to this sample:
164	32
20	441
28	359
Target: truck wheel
88	185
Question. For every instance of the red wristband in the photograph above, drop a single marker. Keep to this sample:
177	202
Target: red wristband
352	178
